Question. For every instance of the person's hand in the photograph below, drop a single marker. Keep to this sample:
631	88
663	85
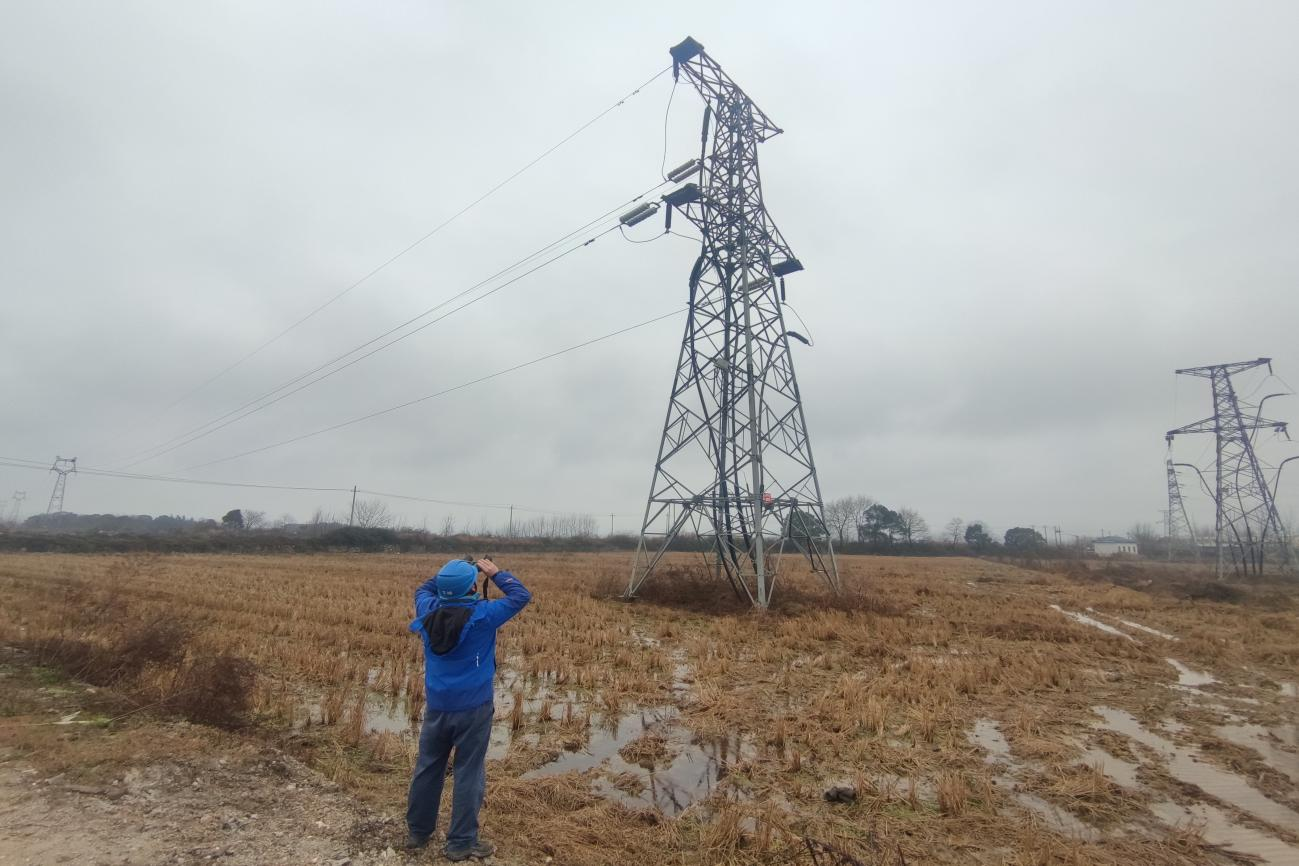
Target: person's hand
487	567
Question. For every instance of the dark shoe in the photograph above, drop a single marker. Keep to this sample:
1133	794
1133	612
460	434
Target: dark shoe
415	841
480	850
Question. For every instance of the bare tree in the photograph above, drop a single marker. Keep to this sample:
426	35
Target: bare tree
912	526
842	515
953	530
372	514
284	520
254	519
449	525
320	519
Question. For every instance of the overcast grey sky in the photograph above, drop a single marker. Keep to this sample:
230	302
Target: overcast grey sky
1017	220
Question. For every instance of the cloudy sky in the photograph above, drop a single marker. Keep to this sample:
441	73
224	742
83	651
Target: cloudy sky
1017	221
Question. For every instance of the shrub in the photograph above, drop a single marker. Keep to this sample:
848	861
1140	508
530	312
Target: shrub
215	691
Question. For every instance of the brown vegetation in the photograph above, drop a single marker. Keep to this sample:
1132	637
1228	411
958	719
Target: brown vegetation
881	687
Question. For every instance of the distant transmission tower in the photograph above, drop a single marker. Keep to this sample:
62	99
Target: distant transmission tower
734	464
1246	525
1178	519
64	466
16	510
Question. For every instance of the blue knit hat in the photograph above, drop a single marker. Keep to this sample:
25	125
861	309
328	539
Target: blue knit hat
456	579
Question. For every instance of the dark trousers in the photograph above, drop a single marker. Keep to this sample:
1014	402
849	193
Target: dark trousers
467	732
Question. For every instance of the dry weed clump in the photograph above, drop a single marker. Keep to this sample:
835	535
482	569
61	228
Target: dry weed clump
215	691
953	794
1086	791
148	655
647	750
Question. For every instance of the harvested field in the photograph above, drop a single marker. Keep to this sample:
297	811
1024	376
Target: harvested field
940	711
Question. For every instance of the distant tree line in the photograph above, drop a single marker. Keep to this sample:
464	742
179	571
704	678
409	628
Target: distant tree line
143	523
862	523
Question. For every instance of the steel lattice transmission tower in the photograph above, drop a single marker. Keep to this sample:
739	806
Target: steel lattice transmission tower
1247	525
734	463
16	510
1178	519
64	466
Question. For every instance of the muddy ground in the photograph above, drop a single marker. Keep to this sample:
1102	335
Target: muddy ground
942	711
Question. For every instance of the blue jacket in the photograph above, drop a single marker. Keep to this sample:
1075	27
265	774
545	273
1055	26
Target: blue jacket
461	678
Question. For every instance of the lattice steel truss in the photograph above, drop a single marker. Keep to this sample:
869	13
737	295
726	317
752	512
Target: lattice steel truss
1179	521
734	465
1247	527
16	510
65	466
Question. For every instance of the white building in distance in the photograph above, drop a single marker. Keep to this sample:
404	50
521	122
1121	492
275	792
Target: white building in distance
1113	545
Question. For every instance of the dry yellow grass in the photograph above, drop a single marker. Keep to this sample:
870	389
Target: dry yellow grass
882	689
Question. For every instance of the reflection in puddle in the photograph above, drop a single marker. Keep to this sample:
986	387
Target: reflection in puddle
1184	765
1190	678
388	716
1094	623
691	771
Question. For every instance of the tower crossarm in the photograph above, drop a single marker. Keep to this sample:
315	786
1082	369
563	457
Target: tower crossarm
1230	369
1210	425
715	86
730	191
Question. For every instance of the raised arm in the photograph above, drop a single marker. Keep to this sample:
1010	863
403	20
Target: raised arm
500	610
426	597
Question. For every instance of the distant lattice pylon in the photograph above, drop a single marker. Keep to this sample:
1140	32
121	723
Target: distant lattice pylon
1246	527
64	466
16	510
1179	522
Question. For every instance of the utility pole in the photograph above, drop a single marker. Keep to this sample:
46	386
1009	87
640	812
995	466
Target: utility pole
1246	523
511	529
735	463
611	526
64	466
351	517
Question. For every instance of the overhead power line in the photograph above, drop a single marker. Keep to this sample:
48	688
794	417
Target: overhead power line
424	237
270	398
21	463
436	394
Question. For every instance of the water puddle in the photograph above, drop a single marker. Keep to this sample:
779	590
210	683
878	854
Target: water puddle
1084	619
1289	690
1119	771
1185	765
683	677
1136	625
1058	819
1147	629
987	735
1189	678
1219	829
679	769
1266	742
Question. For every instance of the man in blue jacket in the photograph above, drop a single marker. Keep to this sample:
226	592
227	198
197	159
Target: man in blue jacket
458	628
